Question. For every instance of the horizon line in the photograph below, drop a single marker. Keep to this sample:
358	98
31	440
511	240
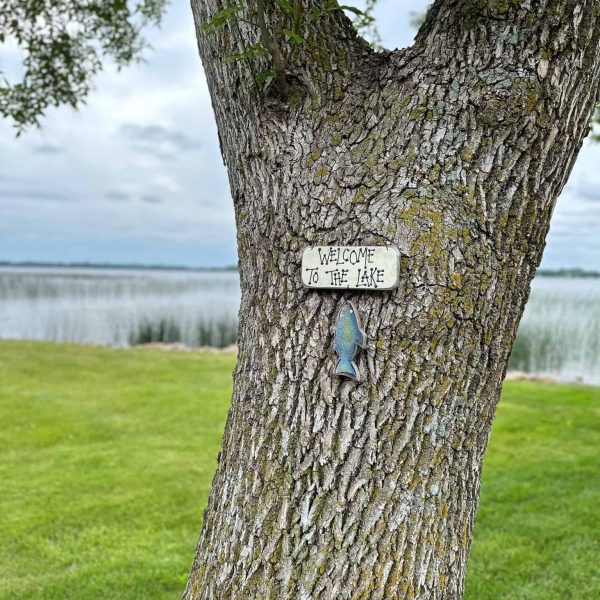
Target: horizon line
111	265
544	272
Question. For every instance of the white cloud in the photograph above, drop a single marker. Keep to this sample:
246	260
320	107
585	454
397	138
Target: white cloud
137	174
140	165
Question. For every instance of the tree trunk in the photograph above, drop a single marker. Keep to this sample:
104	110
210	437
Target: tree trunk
454	150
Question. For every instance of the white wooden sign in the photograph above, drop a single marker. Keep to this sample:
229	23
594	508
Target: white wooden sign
351	267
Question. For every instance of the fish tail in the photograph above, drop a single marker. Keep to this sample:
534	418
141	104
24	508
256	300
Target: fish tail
346	368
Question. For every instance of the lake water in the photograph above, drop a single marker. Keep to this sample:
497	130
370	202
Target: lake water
559	334
119	307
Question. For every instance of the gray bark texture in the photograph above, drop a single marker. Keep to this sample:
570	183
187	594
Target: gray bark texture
455	151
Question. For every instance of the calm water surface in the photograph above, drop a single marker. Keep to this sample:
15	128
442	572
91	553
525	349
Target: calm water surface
119	307
559	334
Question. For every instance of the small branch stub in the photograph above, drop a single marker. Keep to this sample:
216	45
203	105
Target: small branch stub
351	267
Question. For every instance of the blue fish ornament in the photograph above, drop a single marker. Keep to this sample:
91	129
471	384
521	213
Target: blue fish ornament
348	338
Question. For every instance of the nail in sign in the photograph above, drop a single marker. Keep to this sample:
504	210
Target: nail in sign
351	267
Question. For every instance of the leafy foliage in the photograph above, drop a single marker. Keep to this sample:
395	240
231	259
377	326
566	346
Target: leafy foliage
291	25
250	52
364	22
64	44
417	18
222	18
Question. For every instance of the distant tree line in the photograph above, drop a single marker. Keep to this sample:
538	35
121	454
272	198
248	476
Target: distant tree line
574	272
87	265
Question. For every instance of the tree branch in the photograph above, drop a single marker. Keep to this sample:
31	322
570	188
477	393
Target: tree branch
270	43
528	75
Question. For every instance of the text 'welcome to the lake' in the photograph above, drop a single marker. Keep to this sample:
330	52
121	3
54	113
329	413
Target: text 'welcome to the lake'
351	267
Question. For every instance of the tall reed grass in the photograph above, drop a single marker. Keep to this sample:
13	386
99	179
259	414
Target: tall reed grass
121	308
559	334
214	332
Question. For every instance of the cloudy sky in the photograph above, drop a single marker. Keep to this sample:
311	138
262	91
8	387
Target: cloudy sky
136	176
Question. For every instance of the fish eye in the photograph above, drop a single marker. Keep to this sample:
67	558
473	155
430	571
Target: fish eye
351	311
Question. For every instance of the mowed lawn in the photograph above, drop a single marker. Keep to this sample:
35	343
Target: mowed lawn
107	455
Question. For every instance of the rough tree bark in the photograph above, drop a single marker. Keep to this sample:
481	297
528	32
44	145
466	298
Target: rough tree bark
454	150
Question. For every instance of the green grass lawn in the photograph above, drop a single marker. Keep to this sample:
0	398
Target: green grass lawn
106	459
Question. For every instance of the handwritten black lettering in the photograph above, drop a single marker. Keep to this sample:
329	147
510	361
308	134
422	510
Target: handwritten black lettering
369	277
338	277
313	276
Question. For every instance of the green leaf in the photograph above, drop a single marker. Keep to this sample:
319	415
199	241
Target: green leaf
286	5
315	14
263	76
352	9
221	18
250	52
292	36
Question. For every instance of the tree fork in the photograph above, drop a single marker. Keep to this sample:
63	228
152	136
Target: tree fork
454	150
